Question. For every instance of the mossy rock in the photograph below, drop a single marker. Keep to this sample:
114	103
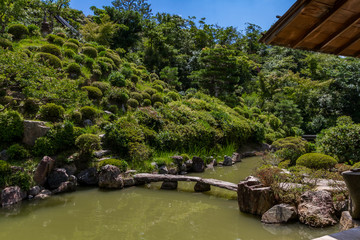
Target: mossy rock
316	161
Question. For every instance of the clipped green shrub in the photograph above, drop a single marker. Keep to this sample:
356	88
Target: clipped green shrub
150	91
48	59
158	105
137	96
134	79
356	165
121	164
59	41
88	112
93	92
290	148
158	88
90	52
100	48
79	58
145	95
117	79
21	179
6	44
156	98
76	117
72	40
87	143
89	62
52	112
69	53
74	70
103	86
118	95
154	77
11	126
316	161
146	103
139	152
18	31
31	106
51	37
4	168
17	152
72	46
113	56
52	49
34	30
174	96
133	103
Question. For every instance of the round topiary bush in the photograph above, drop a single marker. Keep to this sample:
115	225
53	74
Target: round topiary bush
316	161
118	95
100	48
157	98
79	58
158	105
88	112
88	143
4	168
72	40
134	79
76	117
174	96
52	49
74	70
52	112
117	79
59	41
150	91
34	30
93	92
31	106
17	152
103	86
11	126
18	31
6	44
146	95
121	164
158	88
90	52
72	46
89	62
133	103
137	96
146	103
154	77
48	59
69	53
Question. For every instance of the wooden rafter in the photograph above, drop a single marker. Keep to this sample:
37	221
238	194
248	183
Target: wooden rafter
348	44
321	22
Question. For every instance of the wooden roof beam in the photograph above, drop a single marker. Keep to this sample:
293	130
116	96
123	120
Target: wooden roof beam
320	23
350	23
348	44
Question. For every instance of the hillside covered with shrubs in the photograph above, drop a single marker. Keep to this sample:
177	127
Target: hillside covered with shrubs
148	87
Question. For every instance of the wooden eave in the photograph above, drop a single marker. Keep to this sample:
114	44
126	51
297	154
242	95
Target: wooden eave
328	26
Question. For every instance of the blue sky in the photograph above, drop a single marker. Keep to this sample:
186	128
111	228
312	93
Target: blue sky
222	12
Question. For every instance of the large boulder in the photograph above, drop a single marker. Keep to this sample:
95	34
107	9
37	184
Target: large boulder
11	196
43	169
163	170
34	191
89	177
129	182
69	186
33	130
281	213
198	165
347	222
236	157
110	177
44	194
56	178
316	209
253	197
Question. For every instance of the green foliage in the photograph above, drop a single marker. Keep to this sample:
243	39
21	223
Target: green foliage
52	49
156	98
89	62
6	44
52	112
44	147
117	79
133	103
21	179
17	152
139	152
18	31
11	126
48	59
88	112
74	70
341	141
290	148
90	52
59	41
118	95
69	53
103	86
137	96
34	30
87	143
146	103
316	161
174	96
4	168
93	92
121	164
72	40
72	46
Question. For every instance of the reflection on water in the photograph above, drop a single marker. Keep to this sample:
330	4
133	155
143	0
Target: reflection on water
143	213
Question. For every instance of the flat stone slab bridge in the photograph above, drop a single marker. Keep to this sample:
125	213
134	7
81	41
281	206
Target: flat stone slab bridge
144	178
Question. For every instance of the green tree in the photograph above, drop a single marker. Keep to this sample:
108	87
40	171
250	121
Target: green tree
140	6
11	10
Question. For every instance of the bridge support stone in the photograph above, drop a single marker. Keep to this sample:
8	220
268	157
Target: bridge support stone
202	187
169	185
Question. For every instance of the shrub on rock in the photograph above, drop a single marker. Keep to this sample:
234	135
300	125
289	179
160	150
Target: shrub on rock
19	31
121	164
52	49
17	152
51	112
316	161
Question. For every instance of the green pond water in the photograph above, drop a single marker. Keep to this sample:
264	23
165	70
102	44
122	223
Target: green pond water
148	213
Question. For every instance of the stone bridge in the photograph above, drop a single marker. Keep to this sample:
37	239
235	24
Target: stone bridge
202	184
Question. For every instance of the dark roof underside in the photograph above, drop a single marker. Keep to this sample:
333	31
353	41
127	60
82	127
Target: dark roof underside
328	26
